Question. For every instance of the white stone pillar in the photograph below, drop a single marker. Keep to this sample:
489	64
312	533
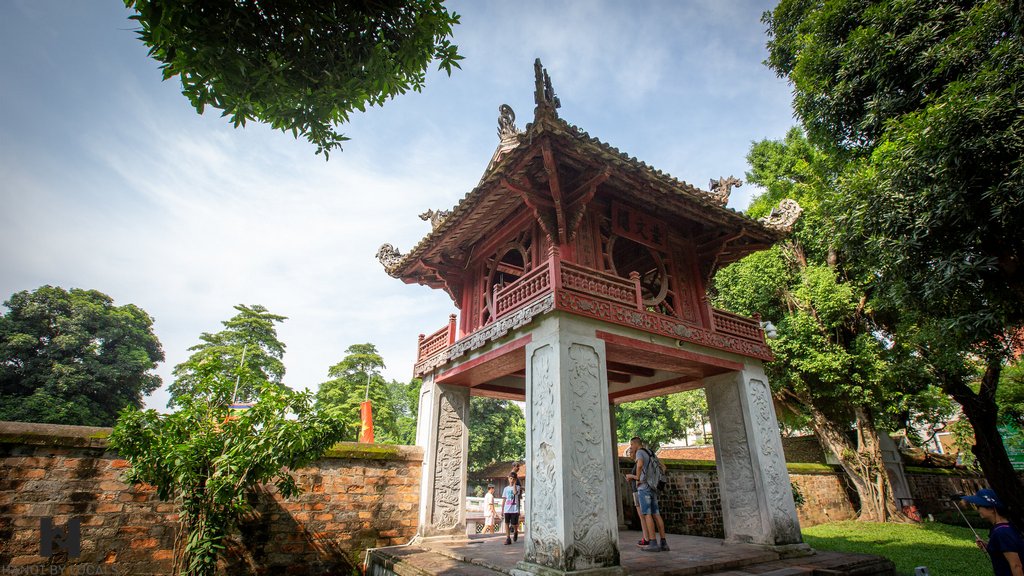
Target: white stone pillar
442	431
571	524
757	501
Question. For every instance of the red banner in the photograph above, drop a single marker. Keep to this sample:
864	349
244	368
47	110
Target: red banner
366	414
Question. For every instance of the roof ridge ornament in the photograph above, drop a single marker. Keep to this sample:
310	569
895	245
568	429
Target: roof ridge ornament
389	257
507	130
508	136
721	188
435	217
544	95
783	217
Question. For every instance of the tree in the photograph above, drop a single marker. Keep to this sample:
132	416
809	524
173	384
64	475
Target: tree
652	419
300	67
831	360
394	403
923	98
690	409
246	352
73	357
497	432
208	459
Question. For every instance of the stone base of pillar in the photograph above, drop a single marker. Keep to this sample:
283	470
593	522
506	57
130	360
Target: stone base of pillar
792	550
530	569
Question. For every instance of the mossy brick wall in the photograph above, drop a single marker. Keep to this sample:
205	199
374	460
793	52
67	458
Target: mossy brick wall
357	497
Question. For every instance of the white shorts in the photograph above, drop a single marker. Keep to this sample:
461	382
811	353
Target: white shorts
488	520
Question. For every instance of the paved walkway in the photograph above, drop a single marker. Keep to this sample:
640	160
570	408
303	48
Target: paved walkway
689	555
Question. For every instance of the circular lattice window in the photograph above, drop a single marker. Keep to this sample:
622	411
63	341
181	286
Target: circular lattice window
630	256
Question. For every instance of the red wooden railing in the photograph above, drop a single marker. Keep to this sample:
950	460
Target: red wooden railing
608	286
736	325
438	341
553	274
532	285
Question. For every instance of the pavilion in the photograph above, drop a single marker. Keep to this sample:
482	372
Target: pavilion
580	276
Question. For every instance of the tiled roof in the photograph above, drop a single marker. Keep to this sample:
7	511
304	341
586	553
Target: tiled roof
669	192
706	452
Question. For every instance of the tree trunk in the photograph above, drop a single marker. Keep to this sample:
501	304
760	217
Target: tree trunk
862	463
982	412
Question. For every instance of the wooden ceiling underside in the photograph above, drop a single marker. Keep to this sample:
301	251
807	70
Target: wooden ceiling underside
636	370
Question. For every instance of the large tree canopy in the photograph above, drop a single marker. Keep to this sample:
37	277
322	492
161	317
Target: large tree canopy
246	354
926	95
923	98
73	357
300	67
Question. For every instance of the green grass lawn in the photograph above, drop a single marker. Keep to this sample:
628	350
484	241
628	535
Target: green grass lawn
944	549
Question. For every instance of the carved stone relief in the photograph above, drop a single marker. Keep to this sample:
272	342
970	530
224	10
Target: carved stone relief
772	462
544	505
448	467
738	482
591	534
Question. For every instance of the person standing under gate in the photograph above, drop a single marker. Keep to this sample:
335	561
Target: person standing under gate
489	511
512	493
631	480
649	512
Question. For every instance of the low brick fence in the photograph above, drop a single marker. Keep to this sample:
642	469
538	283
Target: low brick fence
692	504
359	496
54	477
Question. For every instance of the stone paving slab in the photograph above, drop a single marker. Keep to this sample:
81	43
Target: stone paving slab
689	556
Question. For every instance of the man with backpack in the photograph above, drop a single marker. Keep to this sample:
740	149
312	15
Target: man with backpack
648	474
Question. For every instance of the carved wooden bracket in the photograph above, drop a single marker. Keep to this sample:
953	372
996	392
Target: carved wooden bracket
559	214
451	269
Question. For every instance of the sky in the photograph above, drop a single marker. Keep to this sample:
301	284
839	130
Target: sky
109	179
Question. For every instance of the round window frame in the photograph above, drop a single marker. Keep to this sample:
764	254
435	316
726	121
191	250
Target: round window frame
658	260
498	257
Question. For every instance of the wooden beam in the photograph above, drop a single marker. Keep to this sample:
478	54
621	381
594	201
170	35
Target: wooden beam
551	168
669	386
479	361
620	377
668	351
496	391
583	194
532	202
631	369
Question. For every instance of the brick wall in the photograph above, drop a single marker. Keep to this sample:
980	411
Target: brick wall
359	496
691	503
932	489
825	498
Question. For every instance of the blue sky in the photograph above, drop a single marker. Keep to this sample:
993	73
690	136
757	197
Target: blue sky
109	180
